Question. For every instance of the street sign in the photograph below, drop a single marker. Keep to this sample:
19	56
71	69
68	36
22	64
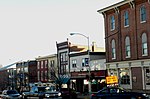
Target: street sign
112	80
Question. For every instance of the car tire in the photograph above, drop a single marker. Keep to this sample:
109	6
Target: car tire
133	97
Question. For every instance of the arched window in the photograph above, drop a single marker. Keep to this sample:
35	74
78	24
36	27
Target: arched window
143	14
127	47
112	22
126	18
144	45
113	49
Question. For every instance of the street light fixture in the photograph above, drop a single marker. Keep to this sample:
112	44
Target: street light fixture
89	73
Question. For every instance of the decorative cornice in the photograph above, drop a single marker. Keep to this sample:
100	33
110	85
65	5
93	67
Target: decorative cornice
132	5
116	10
115	6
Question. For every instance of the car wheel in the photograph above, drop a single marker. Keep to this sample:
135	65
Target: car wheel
133	98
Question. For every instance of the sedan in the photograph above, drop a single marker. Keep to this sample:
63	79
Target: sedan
10	94
117	93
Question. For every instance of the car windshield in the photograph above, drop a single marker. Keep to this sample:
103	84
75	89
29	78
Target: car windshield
50	89
12	92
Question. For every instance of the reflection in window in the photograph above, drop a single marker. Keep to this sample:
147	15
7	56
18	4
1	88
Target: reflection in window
112	22
143	13
126	18
113	49
127	45
124	75
144	44
147	78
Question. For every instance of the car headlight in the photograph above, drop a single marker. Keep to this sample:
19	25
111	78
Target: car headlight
59	94
145	95
47	95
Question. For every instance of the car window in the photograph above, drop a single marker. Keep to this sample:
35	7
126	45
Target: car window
104	91
12	92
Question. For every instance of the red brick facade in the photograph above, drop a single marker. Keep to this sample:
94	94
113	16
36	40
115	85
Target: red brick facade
137	66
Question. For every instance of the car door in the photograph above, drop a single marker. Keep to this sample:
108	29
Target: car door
103	94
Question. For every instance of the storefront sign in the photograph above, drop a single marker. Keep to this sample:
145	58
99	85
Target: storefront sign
111	79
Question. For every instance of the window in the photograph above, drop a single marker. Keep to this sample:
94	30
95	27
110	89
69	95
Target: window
144	45
52	63
127	47
143	14
85	62
38	65
113	49
41	64
112	22
147	77
124	74
46	64
38	75
74	63
126	19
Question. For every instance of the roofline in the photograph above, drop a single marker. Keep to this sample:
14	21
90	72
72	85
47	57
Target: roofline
114	6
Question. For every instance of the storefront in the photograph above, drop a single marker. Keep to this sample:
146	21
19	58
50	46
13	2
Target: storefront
80	80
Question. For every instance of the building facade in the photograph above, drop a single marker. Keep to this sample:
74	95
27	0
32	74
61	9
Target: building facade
127	43
26	74
47	69
83	66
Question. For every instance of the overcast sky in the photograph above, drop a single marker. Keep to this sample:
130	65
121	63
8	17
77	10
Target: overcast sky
31	28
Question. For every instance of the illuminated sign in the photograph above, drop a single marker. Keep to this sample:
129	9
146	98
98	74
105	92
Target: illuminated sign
111	80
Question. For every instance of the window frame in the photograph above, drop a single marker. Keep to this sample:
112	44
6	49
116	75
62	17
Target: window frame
127	47
113	49
112	23
143	14
126	19
144	48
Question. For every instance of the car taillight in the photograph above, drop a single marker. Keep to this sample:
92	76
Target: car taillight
93	95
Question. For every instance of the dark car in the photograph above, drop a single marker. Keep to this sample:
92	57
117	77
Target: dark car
10	94
49	92
43	92
117	93
68	93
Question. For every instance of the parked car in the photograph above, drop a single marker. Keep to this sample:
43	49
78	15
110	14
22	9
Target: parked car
42	92
68	93
118	93
10	94
49	92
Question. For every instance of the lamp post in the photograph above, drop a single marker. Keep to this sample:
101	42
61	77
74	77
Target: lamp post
89	73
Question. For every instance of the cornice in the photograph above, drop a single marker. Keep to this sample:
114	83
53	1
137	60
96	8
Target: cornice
115	6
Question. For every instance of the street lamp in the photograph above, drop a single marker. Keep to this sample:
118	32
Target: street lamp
88	57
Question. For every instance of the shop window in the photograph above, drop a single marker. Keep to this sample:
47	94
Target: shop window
124	75
147	71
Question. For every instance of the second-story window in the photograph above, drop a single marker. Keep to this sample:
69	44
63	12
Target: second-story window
113	49
127	47
41	64
126	18
74	63
85	62
112	23
144	45
143	14
38	65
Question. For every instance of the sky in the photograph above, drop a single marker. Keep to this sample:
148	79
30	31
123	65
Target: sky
31	28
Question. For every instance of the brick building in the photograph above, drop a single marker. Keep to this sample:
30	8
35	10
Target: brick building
128	43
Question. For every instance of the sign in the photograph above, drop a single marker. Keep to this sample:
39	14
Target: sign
111	79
